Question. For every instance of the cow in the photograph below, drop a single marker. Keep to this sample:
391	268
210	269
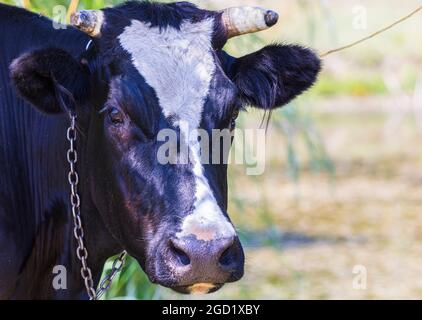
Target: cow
126	73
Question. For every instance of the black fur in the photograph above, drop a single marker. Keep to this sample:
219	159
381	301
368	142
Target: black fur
36	75
160	14
275	75
33	170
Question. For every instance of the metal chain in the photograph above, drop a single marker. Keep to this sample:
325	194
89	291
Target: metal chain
78	232
115	269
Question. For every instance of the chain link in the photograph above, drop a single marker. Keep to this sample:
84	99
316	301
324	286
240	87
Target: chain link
78	231
115	269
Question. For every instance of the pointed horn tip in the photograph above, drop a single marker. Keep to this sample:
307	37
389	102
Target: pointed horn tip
271	18
245	19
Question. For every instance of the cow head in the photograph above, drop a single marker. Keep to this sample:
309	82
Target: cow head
154	67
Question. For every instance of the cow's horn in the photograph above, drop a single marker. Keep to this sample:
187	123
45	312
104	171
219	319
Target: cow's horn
88	21
243	20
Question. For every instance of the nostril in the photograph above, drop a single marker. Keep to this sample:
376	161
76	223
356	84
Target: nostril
183	257
179	254
228	256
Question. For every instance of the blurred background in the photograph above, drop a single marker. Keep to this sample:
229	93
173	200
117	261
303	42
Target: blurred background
338	212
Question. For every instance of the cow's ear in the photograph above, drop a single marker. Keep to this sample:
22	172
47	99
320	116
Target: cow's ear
274	75
43	75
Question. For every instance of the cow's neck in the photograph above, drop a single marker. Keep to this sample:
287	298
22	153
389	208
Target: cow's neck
54	245
99	242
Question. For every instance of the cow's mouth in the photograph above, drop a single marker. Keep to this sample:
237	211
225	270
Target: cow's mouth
198	288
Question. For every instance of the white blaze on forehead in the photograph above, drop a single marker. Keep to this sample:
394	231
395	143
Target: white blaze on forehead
179	66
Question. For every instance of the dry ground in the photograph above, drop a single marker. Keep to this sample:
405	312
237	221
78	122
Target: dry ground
369	214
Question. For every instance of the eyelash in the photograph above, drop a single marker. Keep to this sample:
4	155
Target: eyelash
109	111
234	117
103	110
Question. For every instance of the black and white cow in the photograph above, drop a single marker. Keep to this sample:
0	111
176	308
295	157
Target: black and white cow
128	73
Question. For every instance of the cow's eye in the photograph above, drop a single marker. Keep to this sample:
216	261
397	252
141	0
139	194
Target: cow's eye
116	116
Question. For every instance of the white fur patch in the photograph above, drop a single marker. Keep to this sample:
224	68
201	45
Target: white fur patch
179	65
207	221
